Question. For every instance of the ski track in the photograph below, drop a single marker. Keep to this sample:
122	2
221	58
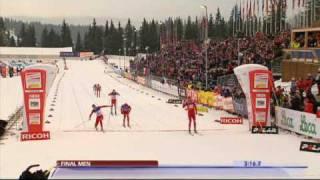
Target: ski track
158	130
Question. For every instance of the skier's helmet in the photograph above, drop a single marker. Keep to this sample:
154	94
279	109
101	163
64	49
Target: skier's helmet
93	105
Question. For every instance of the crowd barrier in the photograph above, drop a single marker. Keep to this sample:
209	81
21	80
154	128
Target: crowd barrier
206	98
298	122
212	99
141	80
165	87
240	106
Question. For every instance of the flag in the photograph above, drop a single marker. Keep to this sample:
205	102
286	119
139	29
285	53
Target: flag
240	14
250	13
254	8
293	3
247	10
258	7
243	12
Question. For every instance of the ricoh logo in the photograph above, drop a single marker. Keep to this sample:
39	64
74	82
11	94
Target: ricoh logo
307	127
286	121
26	136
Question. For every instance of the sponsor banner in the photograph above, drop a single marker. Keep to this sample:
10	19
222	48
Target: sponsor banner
128	76
95	163
264	130
260	88
141	80
227	104
231	120
202	109
212	97
240	106
245	80
310	147
219	102
174	101
31	136
299	122
34	89
67	54
86	54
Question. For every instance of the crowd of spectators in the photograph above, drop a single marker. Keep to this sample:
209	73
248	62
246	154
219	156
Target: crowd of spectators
185	61
300	97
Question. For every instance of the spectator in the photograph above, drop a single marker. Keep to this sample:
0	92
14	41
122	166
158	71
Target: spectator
317	80
296	101
293	86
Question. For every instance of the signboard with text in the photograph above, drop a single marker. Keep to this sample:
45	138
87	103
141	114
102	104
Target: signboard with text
260	90
34	90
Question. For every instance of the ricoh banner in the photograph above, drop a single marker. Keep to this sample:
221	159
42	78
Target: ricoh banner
299	122
36	83
256	82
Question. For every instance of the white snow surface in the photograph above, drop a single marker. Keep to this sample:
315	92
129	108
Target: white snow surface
11	96
157	132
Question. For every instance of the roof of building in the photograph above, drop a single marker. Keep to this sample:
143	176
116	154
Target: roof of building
31	51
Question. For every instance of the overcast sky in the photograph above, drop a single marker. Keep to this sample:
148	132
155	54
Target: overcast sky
135	9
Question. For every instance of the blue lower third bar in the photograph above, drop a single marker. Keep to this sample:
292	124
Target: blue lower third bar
181	172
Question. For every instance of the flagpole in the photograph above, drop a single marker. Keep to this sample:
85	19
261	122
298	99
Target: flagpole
280	15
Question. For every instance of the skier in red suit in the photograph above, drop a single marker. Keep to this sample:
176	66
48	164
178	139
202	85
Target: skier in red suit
125	110
191	107
113	96
99	115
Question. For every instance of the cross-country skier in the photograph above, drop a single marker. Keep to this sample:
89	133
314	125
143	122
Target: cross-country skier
191	107
114	95
95	89
99	115
98	90
125	110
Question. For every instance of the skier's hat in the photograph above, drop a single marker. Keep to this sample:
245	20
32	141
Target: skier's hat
93	105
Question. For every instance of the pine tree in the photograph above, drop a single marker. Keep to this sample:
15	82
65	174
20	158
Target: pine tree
111	39
195	30
53	39
2	32
12	42
22	36
179	29
66	40
154	37
105	36
144	30
93	39
188	29
29	39
78	47
44	38
119	38
210	26
129	34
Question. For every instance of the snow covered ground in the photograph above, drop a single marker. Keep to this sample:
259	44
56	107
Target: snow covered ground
11	96
157	132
